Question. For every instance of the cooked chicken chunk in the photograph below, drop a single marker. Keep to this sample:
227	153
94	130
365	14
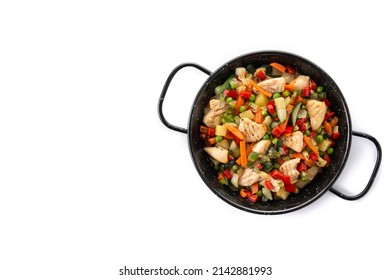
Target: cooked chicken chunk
253	131
250	176
294	141
301	81
290	168
273	85
261	147
216	108
317	111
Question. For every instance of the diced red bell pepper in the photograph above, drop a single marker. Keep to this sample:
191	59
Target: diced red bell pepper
305	91
231	93
269	185
253	197
277	131
286	149
313	85
289	188
211	132
335	133
287	184
290	70
277	174
261	75
327	159
227	174
259	166
245	94
286	180
326	101
271	109
313	156
313	134
289	129
328	115
301	123
301	166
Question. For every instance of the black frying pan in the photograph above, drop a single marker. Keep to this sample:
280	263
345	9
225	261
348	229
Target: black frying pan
321	184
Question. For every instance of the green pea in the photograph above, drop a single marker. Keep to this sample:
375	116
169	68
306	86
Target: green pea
330	151
218	139
286	93
320	89
242	109
229	99
252	98
319	138
266	137
259	193
276	95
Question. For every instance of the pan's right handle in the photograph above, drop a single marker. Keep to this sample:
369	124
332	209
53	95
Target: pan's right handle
374	171
165	89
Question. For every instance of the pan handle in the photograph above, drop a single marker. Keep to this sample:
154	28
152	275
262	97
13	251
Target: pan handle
165	89
373	174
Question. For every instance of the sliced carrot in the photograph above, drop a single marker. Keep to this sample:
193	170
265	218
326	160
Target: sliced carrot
297	155
260	89
289	109
298	99
220	176
243	154
244	193
278	66
239	102
334	121
328	127
310	162
249	88
259	116
255	187
212	141
310	145
250	148
289	87
230	157
238	161
236	132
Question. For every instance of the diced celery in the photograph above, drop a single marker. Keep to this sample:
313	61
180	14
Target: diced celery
280	106
294	113
324	145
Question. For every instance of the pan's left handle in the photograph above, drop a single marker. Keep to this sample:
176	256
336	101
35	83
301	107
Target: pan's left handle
374	171
165	89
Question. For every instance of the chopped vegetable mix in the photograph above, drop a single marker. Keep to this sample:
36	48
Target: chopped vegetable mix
269	131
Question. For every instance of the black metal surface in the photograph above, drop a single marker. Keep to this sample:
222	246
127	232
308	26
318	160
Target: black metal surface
321	184
165	89
374	171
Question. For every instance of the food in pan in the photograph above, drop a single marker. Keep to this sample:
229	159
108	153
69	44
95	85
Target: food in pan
269	131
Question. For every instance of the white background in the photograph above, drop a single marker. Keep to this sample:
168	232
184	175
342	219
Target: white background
90	179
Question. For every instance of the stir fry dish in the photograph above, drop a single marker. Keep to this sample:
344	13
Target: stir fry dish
269	131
